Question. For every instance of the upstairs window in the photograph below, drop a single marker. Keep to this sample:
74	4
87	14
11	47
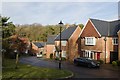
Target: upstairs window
90	41
63	43
115	41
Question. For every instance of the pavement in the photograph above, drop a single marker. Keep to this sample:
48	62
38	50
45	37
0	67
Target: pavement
105	71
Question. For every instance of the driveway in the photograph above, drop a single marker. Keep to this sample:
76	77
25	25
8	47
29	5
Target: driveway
105	71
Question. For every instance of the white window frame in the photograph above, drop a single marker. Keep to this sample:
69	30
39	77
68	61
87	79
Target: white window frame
88	54
63	43
57	54
90	41
115	41
64	54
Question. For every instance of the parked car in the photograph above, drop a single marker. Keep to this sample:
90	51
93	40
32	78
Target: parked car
86	62
39	55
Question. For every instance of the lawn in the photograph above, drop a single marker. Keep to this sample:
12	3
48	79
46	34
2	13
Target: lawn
28	71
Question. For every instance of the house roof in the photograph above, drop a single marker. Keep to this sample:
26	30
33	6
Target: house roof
106	28
50	39
114	27
38	44
66	33
43	43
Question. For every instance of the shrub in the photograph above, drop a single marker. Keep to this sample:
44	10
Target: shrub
114	63
118	62
63	59
51	56
100	61
56	58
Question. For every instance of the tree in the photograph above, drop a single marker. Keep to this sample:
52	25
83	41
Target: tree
81	25
37	31
8	28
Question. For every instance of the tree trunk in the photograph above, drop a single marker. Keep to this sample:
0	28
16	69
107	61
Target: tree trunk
16	61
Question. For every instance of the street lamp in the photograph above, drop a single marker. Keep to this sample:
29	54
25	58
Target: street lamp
60	58
105	39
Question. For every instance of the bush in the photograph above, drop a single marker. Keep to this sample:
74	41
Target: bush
114	63
63	59
118	62
51	56
101	61
56	58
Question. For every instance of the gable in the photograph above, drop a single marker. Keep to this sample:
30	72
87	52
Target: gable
89	30
76	33
101	26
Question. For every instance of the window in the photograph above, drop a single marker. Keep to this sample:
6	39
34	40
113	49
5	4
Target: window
57	54
89	54
64	54
115	41
63	43
90	41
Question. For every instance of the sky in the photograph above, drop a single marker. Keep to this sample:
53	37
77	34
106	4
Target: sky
52	12
119	9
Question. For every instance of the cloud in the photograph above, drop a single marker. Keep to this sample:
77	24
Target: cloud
52	12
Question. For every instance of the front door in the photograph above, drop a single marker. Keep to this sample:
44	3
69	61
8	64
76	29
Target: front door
113	56
98	56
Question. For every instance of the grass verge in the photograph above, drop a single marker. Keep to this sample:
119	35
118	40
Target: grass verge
28	71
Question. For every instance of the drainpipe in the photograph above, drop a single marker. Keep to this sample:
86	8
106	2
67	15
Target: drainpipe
105	39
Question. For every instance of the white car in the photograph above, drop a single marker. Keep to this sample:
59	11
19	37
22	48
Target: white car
39	55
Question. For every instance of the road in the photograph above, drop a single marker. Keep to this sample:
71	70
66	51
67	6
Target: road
79	72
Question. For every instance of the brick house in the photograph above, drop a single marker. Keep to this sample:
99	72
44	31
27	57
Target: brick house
41	48
50	45
119	45
33	49
69	45
99	39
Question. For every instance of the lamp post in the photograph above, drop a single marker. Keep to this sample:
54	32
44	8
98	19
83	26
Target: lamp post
60	58
105	39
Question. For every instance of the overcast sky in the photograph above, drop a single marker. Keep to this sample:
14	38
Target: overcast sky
52	12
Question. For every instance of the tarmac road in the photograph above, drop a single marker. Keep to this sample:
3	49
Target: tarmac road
105	71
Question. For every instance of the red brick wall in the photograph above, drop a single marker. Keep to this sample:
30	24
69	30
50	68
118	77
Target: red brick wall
119	45
72	48
49	50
